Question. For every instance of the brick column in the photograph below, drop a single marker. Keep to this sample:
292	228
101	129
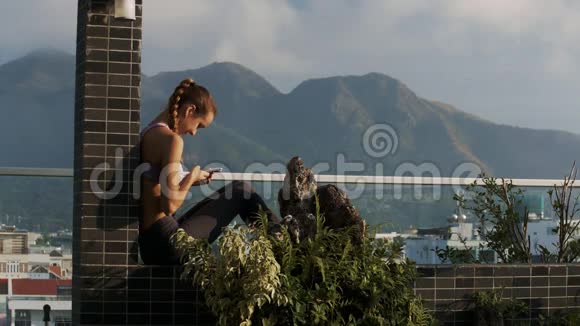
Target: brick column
109	286
107	117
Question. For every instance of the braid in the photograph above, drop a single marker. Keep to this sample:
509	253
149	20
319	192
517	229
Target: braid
174	102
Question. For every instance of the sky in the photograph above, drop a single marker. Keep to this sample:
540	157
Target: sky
514	62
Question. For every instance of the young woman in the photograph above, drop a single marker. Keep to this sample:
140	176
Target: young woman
166	183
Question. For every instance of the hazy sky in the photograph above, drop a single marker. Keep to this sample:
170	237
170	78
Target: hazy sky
510	61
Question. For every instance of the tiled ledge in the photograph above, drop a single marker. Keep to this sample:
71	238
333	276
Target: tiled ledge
154	295
142	295
447	289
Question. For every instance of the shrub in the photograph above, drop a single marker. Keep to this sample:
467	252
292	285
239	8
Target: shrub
260	279
491	309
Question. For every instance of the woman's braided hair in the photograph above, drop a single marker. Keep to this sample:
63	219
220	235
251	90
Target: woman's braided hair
188	92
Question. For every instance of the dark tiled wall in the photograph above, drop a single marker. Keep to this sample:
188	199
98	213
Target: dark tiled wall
447	289
143	295
109	285
107	123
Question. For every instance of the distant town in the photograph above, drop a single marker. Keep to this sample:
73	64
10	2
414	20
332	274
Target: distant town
35	271
421	244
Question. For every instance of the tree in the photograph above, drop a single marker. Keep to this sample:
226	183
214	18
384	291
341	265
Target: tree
566	209
43	240
501	225
455	255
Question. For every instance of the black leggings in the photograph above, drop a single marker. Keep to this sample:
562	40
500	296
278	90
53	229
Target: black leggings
204	220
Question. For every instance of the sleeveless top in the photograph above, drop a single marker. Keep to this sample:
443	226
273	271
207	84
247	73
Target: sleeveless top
154	171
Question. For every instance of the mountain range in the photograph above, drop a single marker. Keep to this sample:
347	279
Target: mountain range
318	120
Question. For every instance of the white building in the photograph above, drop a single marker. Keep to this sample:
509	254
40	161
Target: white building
460	234
421	244
26	299
22	265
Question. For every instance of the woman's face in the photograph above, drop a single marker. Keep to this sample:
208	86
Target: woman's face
192	121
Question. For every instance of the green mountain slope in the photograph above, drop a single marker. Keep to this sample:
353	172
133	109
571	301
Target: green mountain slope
319	120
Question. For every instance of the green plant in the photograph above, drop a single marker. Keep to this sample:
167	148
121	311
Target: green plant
259	279
501	225
566	209
491	309
562	317
455	255
43	240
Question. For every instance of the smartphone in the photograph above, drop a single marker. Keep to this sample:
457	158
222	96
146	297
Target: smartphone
214	170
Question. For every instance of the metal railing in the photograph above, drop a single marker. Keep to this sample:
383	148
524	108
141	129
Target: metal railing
325	178
35	172
40	298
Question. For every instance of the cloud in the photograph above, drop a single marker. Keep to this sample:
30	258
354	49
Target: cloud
278	37
248	31
281	37
505	16
553	24
31	24
496	58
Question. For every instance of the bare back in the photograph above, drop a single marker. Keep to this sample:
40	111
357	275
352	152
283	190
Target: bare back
153	147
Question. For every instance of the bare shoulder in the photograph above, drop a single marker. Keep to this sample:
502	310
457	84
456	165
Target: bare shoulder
165	138
162	142
171	139
171	147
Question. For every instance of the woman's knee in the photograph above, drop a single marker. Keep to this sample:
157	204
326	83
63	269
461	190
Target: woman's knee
243	185
243	188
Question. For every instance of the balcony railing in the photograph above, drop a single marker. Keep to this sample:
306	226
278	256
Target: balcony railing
402	201
324	178
41	298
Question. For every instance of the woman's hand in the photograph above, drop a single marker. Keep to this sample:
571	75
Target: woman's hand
200	176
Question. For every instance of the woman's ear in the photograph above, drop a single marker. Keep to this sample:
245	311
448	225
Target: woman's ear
191	109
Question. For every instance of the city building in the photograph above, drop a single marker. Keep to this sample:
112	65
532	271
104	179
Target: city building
26	299
421	244
33	275
13	241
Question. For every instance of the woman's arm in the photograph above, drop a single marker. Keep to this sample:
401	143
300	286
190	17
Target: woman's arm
173	189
